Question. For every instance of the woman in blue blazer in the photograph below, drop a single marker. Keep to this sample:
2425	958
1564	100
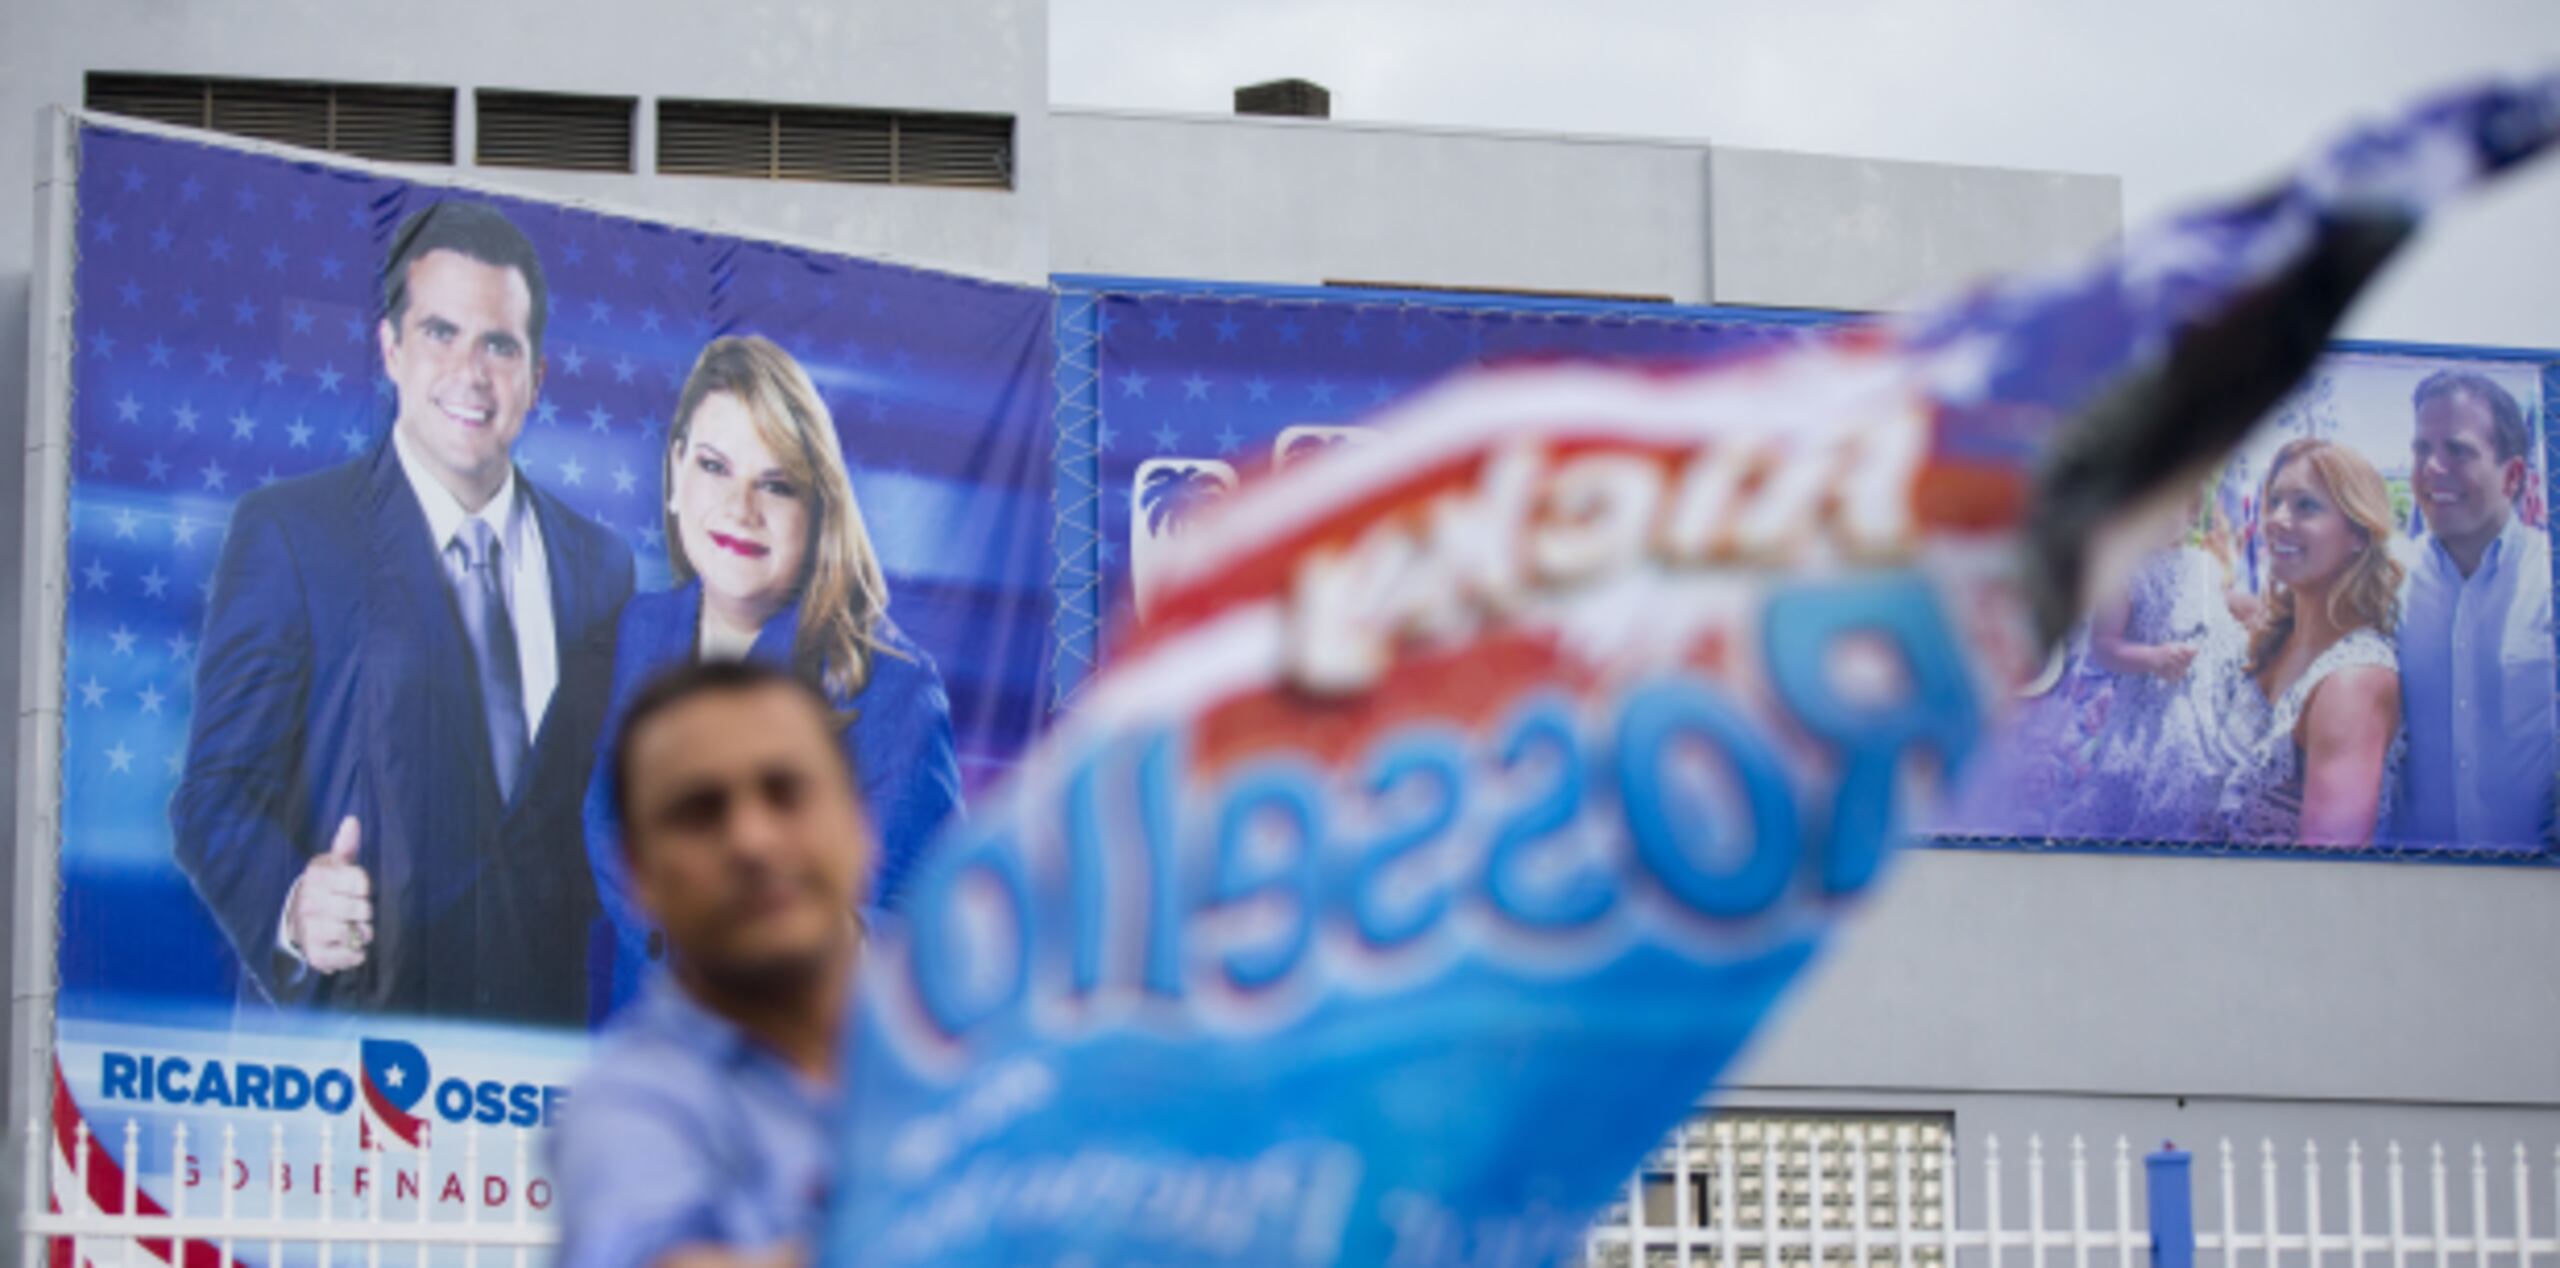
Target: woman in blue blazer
772	563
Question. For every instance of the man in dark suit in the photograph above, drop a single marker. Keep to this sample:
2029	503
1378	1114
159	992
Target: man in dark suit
405	664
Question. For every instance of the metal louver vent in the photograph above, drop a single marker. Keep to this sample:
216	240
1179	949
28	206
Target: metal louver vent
955	149
553	130
836	145
399	125
159	98
378	121
700	138
872	147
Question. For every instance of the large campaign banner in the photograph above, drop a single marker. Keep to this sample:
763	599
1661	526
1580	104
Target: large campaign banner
2408	495
2166	717
387	497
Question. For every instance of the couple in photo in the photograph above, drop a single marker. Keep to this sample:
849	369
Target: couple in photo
411	661
2360	697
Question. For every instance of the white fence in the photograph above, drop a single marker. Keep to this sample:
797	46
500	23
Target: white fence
1868	1202
1868	1205
92	1193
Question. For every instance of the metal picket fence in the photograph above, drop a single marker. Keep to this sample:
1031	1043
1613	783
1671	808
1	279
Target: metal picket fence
1718	1194
1887	1201
90	1193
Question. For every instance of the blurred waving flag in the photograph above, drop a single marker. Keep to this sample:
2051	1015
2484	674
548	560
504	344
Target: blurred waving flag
1471	794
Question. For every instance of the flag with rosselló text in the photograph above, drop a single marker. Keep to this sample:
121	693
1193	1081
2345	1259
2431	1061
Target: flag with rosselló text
1469	795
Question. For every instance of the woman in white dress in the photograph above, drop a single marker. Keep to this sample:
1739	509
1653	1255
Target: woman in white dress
2322	697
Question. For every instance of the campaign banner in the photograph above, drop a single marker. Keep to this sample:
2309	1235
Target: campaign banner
2144	731
1192	390
386	496
2430	497
1470	794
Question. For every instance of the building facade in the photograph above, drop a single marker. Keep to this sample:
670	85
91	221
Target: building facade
2104	994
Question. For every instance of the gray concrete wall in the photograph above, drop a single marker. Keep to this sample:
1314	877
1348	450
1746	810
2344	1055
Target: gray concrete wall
2169	976
1817	231
1310	201
2190	998
1307	201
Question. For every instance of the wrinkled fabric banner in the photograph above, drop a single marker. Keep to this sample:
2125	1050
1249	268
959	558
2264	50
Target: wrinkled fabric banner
274	672
1470	795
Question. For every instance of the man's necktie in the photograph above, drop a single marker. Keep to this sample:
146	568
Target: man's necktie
481	592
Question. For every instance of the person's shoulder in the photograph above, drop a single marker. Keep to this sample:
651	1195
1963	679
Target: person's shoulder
304	498
656	626
314	514
652	631
2535	552
2366	648
642	1061
2364	687
903	675
584	533
900	657
651	608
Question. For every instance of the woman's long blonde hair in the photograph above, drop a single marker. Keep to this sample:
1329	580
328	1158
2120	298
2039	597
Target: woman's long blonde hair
843	596
2368	593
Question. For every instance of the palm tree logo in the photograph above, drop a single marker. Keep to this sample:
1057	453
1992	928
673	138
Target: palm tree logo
1167	495
1304	441
1173	493
1300	448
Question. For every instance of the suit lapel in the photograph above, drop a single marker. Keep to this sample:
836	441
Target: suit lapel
571	625
423	668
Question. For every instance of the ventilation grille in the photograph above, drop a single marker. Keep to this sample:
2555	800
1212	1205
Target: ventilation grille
871	147
1292	97
376	121
553	130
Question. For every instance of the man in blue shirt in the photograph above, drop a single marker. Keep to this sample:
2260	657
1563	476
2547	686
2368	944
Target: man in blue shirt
701	1137
2475	628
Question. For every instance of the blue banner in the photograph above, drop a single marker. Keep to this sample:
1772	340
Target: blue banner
1194	390
2129	740
386	497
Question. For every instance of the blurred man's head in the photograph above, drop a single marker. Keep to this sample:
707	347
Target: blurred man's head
741	825
2467	456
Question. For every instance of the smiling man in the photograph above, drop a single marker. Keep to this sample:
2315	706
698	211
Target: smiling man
2475	628
403	674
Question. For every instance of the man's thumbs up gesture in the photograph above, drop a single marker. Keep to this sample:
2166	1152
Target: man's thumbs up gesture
328	919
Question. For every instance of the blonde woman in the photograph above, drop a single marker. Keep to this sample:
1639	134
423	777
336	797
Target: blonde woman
772	563
2322	696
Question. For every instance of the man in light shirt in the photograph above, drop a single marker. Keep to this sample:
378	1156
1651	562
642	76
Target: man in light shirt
404	668
701	1137
2476	657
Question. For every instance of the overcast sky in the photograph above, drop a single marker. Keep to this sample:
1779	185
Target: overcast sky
2179	98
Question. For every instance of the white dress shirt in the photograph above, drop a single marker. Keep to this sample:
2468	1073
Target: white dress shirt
2476	688
528	578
